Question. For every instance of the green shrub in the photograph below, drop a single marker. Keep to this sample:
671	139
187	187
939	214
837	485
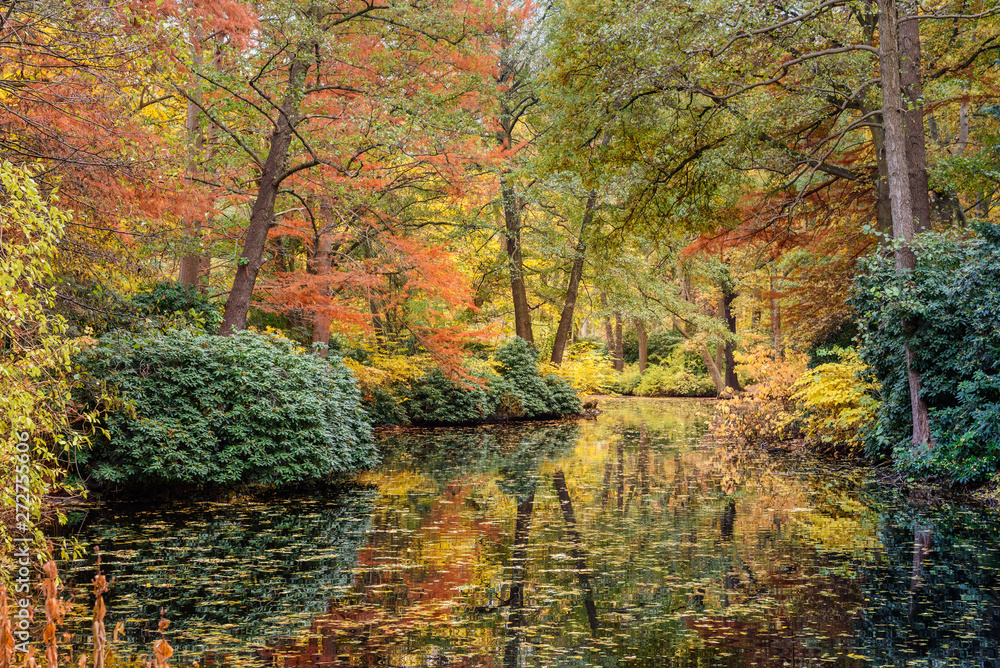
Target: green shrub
514	390
384	408
178	303
202	410
678	377
564	399
951	307
628	380
670	381
586	368
436	399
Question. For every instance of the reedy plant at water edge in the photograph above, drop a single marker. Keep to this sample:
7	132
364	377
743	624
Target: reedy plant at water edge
56	608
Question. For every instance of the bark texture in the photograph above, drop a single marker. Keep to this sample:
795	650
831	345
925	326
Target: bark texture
190	264
262	212
640	330
900	193
728	296
573	289
619	358
321	265
916	149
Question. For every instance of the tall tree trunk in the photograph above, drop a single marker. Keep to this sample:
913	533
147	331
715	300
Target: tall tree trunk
210	141
619	356
883	205
262	212
728	295
321	265
573	289
519	294
609	333
779	349
903	220
916	150
190	263
640	331
706	355
713	370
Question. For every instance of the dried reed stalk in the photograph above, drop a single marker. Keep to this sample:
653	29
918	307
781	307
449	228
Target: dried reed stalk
6	632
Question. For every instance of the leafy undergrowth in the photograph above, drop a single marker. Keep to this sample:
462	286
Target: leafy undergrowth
679	373
507	385
947	311
829	406
765	414
586	368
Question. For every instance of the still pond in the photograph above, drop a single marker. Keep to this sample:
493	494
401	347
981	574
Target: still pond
635	539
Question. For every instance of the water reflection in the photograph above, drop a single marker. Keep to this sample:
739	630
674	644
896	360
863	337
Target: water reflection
633	540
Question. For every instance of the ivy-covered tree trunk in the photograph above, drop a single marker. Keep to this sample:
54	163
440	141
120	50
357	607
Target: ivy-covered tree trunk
900	192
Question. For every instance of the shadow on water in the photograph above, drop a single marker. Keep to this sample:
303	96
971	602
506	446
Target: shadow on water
633	540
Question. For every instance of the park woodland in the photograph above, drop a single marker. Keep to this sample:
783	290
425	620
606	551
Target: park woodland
520	333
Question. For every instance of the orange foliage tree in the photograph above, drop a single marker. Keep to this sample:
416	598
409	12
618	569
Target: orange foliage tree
334	129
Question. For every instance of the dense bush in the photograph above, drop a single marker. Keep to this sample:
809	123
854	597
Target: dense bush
766	413
177	302
436	399
682	374
196	409
951	309
510	388
627	380
587	367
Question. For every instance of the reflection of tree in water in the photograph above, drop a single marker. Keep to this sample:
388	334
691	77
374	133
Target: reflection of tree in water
934	590
405	586
228	575
510	452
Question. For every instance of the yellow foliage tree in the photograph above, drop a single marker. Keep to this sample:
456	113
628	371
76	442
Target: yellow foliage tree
35	363
836	402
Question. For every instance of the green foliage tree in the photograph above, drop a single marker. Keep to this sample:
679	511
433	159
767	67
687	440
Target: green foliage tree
954	295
